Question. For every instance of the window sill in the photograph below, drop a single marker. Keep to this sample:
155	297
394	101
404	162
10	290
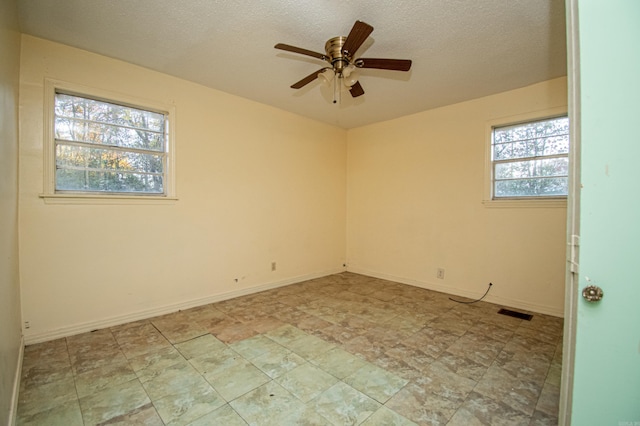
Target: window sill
547	203
105	199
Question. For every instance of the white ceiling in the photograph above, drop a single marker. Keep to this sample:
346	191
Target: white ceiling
460	49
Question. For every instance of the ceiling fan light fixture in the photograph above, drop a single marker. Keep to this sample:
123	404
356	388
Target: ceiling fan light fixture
346	71
327	76
351	79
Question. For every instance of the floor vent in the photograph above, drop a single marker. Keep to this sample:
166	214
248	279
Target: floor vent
515	314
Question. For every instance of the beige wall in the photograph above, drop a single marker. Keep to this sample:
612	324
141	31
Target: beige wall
415	204
255	185
10	322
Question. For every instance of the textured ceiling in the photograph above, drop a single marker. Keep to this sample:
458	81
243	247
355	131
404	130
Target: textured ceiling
461	49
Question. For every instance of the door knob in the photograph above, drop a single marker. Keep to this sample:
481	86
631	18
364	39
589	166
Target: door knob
592	293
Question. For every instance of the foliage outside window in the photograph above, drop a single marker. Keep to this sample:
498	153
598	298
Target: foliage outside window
104	147
530	160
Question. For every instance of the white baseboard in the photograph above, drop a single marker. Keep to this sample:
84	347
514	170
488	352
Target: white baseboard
13	411
508	302
167	309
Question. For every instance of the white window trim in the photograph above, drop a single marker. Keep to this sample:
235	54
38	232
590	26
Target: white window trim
51	197
528	202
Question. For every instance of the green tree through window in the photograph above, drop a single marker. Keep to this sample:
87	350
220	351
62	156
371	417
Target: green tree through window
104	147
531	159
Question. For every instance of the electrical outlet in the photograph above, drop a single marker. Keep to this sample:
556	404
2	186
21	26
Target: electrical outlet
440	274
27	324
273	266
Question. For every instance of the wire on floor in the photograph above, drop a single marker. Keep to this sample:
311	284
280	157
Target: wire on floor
474	301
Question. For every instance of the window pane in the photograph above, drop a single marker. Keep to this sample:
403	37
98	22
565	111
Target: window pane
70	156
553	146
106	147
533	130
105	134
107	181
547	137
532	168
532	174
506	151
532	148
90	109
540	187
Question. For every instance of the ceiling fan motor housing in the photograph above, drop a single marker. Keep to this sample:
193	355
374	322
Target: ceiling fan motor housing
339	59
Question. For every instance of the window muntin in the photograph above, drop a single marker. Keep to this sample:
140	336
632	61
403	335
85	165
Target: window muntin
107	148
530	160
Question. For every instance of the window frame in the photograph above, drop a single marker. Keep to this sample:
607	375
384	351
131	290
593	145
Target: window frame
526	201
51	195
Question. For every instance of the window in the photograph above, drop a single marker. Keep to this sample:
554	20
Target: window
106	148
530	160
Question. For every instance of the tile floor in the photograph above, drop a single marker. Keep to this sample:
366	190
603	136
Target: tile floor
339	350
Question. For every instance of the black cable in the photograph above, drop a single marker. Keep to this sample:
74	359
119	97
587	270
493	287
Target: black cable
474	301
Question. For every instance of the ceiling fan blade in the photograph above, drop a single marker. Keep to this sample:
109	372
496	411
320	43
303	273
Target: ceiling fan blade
300	50
356	90
384	64
308	79
356	37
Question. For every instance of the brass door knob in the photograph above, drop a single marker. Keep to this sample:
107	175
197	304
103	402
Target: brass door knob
592	293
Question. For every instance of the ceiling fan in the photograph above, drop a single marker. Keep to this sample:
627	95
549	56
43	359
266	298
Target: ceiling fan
339	54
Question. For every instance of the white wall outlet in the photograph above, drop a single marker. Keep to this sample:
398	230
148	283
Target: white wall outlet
440	274
27	324
273	266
